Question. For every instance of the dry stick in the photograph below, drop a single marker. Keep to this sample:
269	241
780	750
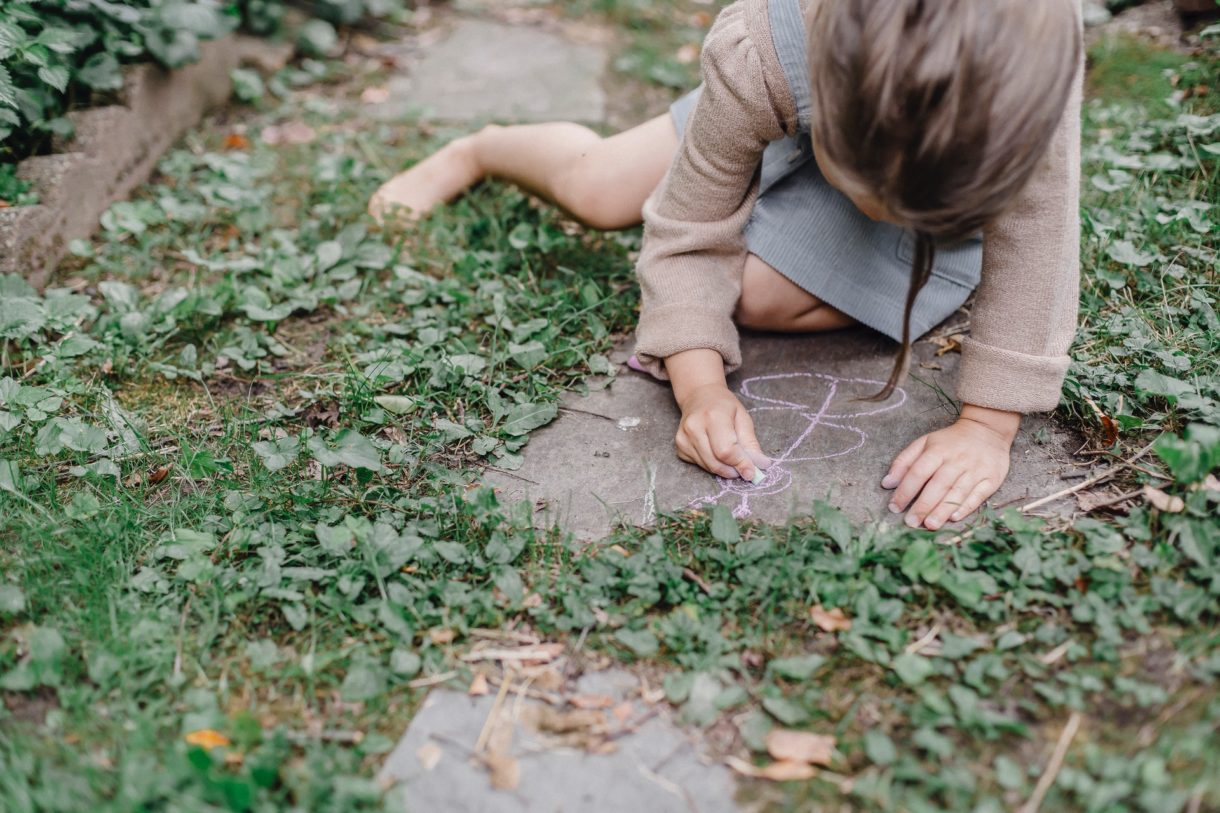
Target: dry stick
492	716
1052	767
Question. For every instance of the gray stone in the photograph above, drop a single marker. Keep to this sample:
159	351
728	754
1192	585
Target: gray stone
654	768
609	458
489	71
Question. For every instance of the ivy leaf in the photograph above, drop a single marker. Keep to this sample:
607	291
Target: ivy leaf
101	72
54	75
350	449
279	453
363	682
801	667
922	562
1150	382
20	317
912	669
523	418
641	642
8	91
1125	252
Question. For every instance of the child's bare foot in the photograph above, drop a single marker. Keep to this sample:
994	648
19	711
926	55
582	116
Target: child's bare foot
437	179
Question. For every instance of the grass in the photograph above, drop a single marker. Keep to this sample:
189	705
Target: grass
238	443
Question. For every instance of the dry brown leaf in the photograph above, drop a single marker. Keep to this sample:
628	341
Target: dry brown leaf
592	701
428	755
505	771
375	95
478	686
158	475
548	680
800	746
555	721
236	141
1164	502
947	344
781	771
532	600
829	620
206	738
441	636
623	712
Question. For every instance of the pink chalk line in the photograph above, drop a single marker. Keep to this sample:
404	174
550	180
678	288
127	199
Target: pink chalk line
778	477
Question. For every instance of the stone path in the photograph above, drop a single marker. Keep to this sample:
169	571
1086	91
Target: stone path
486	71
627	757
609	457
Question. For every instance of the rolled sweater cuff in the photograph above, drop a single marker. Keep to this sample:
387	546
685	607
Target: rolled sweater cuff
996	378
669	329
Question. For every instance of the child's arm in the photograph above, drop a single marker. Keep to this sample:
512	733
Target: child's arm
691	263
1016	357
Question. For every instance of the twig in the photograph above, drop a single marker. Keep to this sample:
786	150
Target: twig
587	412
492	716
1126	495
927	638
691	575
348	737
1052	767
1092	481
431	680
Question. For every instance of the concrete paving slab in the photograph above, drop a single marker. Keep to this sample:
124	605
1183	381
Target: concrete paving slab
653	768
485	71
609	457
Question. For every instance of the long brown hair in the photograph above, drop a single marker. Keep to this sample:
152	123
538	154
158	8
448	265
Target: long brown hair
941	109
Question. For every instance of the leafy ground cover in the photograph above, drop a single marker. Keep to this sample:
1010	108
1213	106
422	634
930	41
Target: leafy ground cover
239	518
60	55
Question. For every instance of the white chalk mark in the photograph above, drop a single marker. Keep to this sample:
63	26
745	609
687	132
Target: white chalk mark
628	423
650	498
778	477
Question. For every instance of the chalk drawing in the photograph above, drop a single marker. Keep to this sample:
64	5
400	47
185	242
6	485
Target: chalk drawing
778	477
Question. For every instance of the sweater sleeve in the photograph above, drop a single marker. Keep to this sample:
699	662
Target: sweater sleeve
1024	316
693	253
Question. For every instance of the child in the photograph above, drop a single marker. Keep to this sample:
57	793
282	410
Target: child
837	166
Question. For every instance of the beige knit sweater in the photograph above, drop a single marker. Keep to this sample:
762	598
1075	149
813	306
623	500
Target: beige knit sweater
690	268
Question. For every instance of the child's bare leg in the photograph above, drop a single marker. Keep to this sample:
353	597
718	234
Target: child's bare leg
603	182
771	301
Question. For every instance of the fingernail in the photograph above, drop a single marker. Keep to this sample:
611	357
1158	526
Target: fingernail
912	521
889	481
932	524
894	509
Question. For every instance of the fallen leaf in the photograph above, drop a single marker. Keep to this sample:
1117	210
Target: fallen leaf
548	680
428	755
1109	430
532	600
829	620
505	771
206	738
478	686
441	636
555	721
1164	502
1088	501
375	95
800	746
782	771
236	141
158	475
592	701
947	344
623	712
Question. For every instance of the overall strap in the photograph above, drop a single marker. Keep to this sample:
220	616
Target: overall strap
790	38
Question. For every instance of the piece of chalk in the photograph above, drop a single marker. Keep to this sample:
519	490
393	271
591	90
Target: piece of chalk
759	476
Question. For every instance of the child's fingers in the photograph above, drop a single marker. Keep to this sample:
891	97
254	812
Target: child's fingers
978	494
694	447
902	463
744	425
727	448
916	477
933	494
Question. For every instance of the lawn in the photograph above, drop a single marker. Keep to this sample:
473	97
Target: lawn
240	438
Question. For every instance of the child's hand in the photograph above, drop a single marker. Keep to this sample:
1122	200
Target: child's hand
953	470
717	433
